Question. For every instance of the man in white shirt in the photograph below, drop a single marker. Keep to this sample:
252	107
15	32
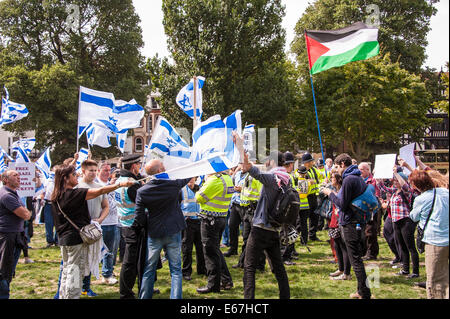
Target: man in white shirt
98	210
110	227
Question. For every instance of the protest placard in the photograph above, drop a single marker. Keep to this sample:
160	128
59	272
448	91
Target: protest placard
27	174
407	154
383	166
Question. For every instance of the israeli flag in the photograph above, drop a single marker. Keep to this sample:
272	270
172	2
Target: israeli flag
44	163
102	106
26	144
83	154
11	111
213	149
21	156
249	131
168	145
6	155
3	166
97	135
185	98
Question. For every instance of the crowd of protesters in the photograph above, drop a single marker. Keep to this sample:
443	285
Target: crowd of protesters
146	216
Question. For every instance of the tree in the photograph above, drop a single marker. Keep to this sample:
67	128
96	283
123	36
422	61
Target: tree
45	59
238	46
363	104
442	105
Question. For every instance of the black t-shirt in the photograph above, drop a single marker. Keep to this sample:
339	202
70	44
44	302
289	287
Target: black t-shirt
74	205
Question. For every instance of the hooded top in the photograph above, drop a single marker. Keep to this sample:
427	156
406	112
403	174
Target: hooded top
353	185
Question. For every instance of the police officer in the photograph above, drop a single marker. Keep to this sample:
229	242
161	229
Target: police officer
125	203
192	234
214	198
314	175
324	174
304	189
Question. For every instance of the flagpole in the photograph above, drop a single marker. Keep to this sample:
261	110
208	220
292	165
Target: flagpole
195	101
317	117
78	120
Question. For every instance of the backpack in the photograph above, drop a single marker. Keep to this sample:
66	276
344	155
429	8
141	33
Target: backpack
365	205
286	207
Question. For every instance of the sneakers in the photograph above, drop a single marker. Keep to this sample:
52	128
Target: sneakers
412	276
110	280
402	273
394	262
289	263
342	277
367	258
28	261
88	293
336	273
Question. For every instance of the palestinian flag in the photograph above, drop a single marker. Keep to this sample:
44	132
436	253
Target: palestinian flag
330	49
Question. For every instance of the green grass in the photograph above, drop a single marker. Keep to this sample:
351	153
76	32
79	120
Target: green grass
308	279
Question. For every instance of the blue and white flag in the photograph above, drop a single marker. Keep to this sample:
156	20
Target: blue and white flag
249	131
213	149
3	166
11	111
21	156
26	144
168	145
102	106
83	154
44	163
98	135
3	152
185	98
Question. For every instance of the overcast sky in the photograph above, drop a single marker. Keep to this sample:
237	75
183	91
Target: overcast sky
155	40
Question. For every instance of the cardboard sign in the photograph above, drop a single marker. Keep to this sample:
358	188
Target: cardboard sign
407	154
27	173
384	165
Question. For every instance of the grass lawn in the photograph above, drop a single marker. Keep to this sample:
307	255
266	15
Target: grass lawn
308	279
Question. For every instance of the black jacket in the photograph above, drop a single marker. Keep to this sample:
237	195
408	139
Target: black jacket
160	199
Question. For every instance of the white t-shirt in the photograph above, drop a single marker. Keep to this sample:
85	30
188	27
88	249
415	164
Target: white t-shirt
112	218
95	204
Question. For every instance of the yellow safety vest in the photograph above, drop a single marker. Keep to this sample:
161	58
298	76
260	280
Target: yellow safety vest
314	174
323	174
215	195
251	190
304	188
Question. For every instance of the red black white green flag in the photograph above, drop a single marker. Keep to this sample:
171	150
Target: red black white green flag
330	49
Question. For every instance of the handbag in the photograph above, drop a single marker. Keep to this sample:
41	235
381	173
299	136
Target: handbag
334	232
420	232
90	234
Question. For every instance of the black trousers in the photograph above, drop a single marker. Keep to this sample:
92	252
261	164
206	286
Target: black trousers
260	241
388	233
236	218
191	237
128	273
216	267
404	234
302	225
313	218
353	241
247	227
371	243
342	255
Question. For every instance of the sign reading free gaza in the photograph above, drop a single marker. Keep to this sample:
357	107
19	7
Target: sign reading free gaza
27	174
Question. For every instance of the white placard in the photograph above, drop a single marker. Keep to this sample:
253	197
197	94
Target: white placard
407	154
27	173
384	165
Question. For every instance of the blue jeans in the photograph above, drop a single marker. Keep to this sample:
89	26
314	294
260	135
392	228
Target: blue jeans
111	237
49	224
226	232
172	247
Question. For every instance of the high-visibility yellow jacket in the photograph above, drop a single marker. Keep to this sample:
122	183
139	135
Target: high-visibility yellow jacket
314	174
215	195
323	174
304	188
251	190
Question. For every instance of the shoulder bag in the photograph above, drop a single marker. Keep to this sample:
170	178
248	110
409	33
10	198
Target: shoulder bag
90	234
420	232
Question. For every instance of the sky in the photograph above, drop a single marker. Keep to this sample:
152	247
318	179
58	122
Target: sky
155	40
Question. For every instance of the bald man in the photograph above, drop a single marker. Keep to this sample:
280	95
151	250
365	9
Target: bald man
12	237
158	205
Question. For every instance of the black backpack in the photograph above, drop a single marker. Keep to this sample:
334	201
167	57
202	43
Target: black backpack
286	207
